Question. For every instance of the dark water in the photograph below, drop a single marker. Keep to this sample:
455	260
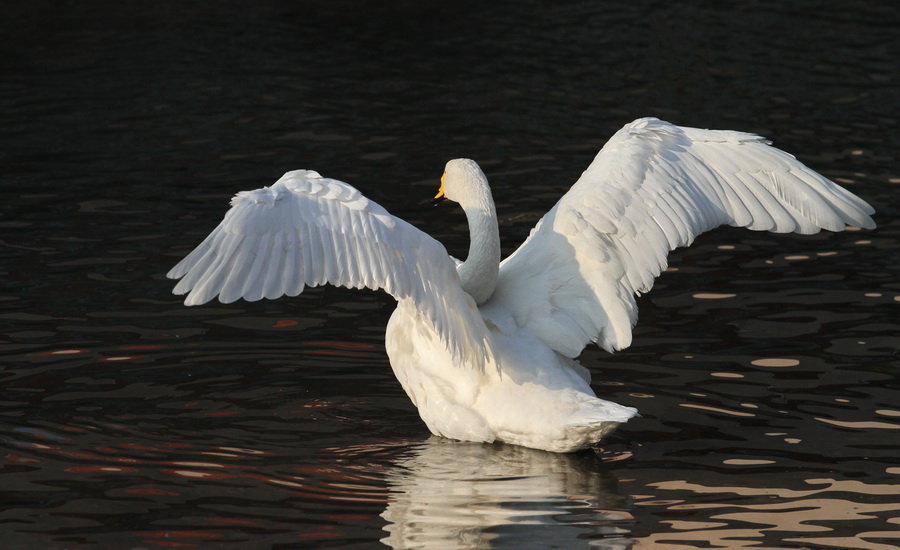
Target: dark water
765	366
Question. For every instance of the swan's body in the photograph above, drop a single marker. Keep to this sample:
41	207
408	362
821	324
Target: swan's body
532	396
485	349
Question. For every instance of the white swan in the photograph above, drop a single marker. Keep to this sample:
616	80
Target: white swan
485	349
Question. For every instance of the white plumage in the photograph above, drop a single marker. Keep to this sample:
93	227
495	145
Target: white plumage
485	348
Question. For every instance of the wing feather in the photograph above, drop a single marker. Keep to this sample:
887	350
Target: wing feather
652	188
306	230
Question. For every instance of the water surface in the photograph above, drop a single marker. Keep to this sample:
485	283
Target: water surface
765	366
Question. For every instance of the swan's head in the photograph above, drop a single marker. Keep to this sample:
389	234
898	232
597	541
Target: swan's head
462	182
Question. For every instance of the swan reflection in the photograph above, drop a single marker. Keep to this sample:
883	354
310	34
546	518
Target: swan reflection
448	494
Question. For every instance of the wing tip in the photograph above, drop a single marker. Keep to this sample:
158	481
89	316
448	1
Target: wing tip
863	222
192	300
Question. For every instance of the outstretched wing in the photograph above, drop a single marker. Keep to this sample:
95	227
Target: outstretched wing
306	230
654	187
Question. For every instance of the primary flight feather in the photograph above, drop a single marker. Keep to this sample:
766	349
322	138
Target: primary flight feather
485	349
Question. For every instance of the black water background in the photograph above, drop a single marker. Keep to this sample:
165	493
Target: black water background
126	128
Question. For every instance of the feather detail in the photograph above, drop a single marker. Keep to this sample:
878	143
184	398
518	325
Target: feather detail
654	187
306	230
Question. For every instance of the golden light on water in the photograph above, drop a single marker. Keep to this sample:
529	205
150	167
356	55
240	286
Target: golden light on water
775	362
861	425
731	522
715	409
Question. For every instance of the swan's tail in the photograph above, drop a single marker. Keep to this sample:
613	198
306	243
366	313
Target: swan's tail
598	420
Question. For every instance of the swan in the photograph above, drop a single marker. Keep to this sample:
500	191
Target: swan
486	350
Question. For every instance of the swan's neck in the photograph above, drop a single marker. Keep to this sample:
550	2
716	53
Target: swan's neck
478	274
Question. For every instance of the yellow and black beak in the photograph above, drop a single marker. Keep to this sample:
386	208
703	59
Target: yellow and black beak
440	197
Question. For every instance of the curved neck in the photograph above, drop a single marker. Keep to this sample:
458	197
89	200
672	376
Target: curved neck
478	274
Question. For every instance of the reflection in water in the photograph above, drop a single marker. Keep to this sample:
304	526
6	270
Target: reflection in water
451	494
